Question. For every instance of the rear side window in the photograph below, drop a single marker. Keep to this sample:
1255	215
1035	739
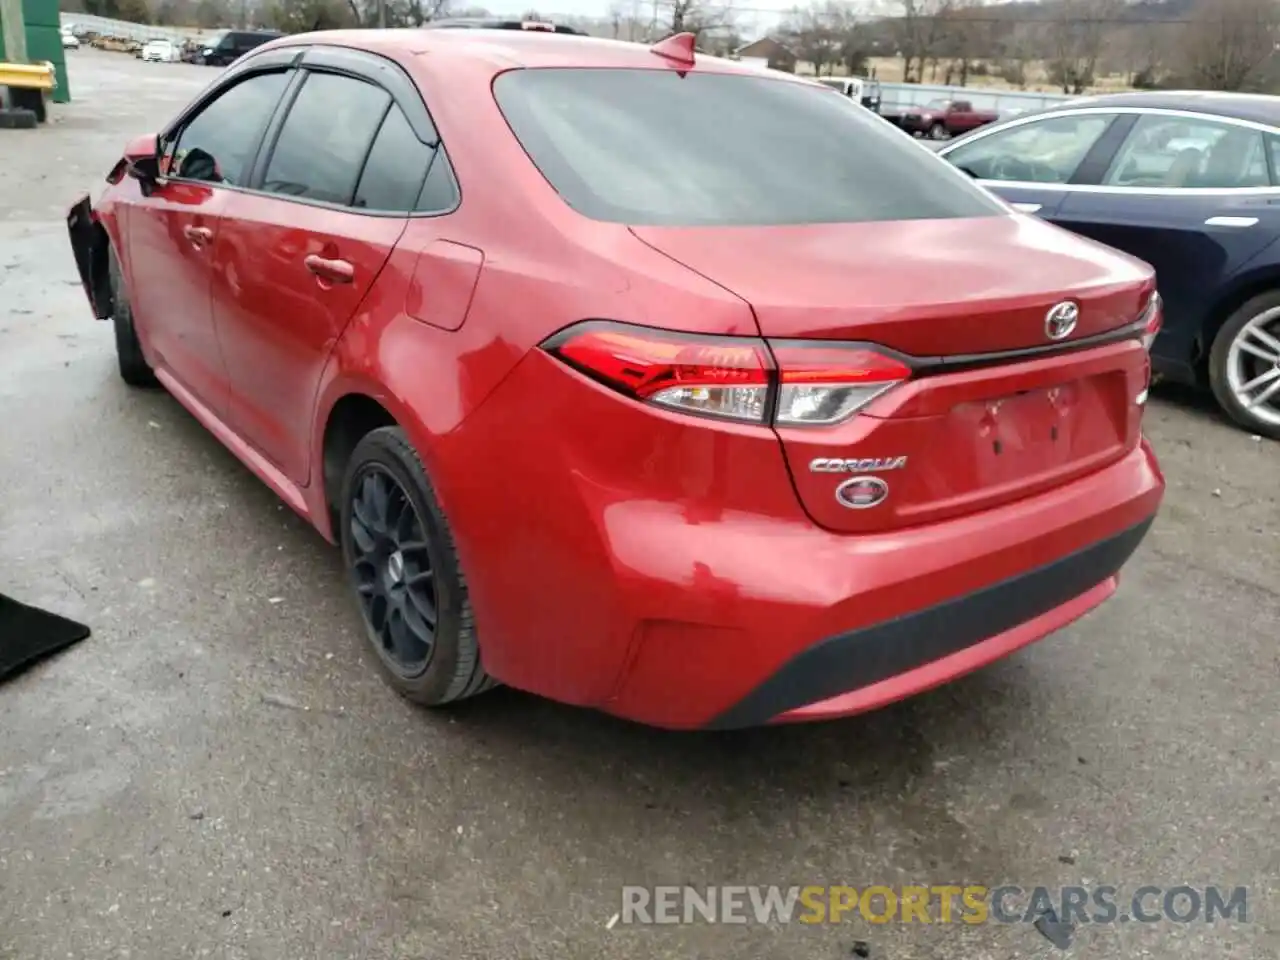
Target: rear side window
1189	152
325	138
396	168
218	144
440	191
651	147
1273	158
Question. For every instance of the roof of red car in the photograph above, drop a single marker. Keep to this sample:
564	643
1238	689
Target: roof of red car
510	48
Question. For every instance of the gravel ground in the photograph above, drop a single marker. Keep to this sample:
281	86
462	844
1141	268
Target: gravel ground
219	772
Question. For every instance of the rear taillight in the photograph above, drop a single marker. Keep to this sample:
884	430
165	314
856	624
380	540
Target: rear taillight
1152	319
826	384
718	376
735	378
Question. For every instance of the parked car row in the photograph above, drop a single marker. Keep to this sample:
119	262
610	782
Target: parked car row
1188	182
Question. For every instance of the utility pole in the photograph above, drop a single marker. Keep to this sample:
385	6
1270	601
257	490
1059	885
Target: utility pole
382	14
14	31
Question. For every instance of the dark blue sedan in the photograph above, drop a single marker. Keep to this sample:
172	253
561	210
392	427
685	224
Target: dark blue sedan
1190	183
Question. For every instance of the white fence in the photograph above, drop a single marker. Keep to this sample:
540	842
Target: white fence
983	98
133	31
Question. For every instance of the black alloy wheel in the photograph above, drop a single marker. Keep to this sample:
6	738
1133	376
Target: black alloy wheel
394	573
404	570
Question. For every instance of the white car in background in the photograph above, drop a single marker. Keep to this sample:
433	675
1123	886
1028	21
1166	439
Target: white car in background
69	39
160	51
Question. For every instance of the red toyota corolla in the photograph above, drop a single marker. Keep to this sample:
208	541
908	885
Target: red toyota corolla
639	380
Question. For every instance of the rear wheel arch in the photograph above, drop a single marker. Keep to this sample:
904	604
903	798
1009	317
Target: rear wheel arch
351	418
1224	309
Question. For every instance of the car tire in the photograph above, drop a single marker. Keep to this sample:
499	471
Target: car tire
1231	367
134	369
13	118
938	132
391	558
33	100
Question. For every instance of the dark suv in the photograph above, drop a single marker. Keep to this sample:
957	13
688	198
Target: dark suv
234	44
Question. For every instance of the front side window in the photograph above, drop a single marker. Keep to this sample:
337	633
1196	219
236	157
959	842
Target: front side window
1187	152
651	147
219	143
1049	150
325	138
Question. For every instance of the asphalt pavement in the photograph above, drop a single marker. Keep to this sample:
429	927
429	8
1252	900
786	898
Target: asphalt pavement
219	772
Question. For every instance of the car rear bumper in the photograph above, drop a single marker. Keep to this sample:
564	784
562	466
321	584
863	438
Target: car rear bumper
891	615
872	666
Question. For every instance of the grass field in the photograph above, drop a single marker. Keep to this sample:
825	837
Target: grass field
889	70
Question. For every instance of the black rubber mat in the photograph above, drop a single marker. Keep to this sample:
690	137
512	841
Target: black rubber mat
28	634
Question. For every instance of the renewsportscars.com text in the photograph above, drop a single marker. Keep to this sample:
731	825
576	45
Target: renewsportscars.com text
938	903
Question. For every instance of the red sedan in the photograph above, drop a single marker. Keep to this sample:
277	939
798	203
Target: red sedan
637	379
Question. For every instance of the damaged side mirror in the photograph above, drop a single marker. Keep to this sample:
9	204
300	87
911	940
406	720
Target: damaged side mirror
142	162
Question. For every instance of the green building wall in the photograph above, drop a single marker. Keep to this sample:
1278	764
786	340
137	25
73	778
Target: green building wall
44	41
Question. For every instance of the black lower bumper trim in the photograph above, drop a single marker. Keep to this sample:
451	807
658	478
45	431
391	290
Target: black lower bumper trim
851	661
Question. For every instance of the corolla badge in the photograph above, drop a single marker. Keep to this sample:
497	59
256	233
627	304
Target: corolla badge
1061	320
860	493
863	465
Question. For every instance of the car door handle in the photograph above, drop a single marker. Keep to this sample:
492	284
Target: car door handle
198	236
1027	207
335	271
1231	222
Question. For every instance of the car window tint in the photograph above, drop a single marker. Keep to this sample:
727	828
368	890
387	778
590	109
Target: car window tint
440	191
1049	150
396	167
218	144
655	147
1273	148
1187	152
325	138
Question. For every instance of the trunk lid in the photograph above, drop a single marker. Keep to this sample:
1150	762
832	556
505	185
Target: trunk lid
924	287
981	423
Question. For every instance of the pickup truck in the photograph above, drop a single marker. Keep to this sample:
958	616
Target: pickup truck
939	119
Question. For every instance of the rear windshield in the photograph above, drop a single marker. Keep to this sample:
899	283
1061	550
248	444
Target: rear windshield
650	147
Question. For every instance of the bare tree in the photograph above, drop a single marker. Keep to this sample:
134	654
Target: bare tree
854	46
301	16
700	16
623	22
1230	43
1074	39
1140	53
970	37
814	36
1018	45
398	13
919	28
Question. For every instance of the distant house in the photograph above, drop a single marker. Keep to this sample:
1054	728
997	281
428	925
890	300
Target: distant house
767	52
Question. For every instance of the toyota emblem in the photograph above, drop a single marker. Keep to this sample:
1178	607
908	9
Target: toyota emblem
1061	320
859	493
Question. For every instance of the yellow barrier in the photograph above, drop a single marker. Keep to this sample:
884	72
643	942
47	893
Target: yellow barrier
32	76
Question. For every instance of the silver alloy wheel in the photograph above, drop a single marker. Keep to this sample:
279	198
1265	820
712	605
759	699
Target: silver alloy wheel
1253	366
